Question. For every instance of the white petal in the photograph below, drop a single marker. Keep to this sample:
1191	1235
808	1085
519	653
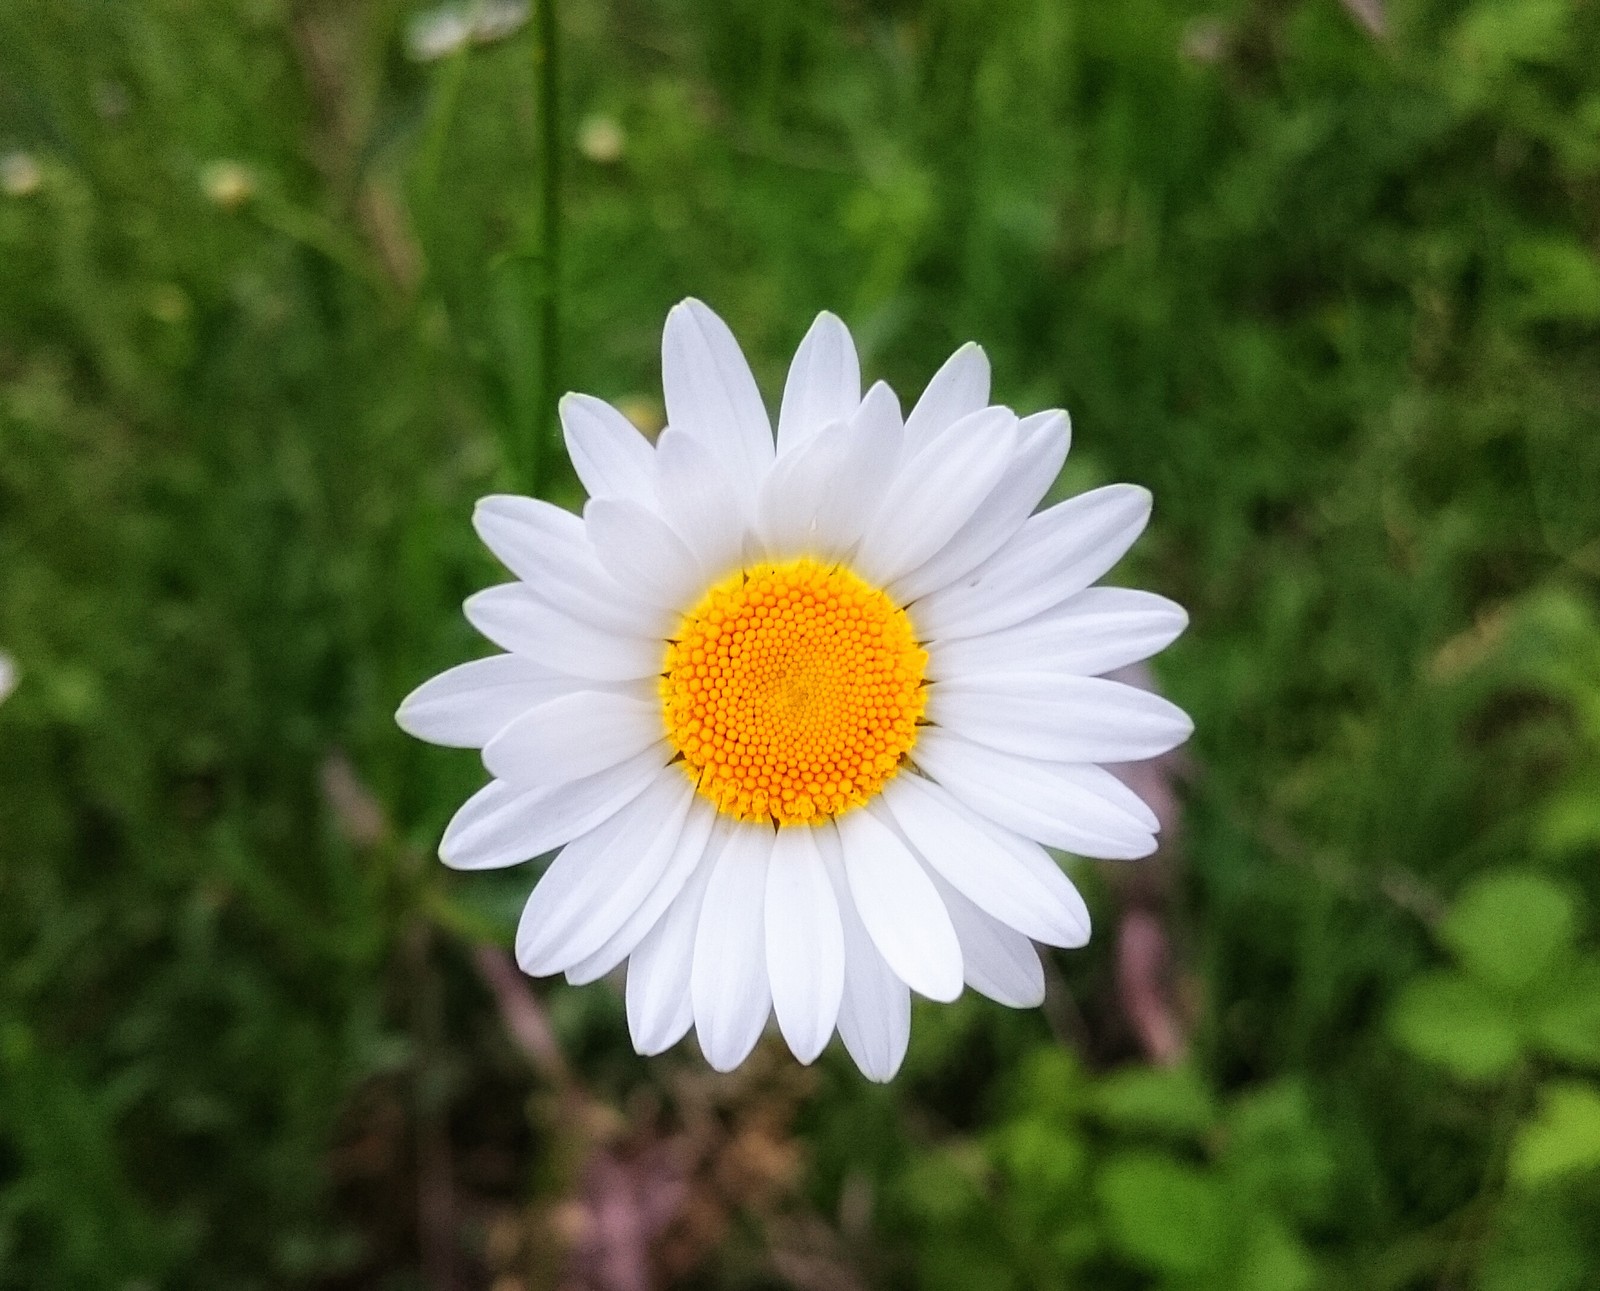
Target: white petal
799	495
467	706
935	493
1099	629
515	619
1052	426
602	878
899	906
504	824
1008	877
875	1010
1055	554
640	550
820	496
877	446
729	979
660	1008
711	395
549	549
998	960
525	534
487	831
1039	800
697	500
1059	718
805	943
574	736
959	388
1041	450
1097	780
686	857
824	384
611	457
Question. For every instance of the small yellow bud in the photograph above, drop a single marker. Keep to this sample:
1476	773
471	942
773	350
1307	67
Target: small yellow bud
228	184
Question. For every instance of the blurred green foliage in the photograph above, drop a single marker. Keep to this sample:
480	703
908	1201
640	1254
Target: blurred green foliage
267	295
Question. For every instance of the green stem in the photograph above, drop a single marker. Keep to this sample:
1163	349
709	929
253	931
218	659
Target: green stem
547	391
447	92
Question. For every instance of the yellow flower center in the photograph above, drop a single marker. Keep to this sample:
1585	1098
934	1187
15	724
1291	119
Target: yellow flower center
793	691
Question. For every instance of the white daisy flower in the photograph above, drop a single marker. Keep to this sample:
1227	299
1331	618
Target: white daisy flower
803	714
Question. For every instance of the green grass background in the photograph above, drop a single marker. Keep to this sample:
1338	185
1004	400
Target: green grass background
1323	277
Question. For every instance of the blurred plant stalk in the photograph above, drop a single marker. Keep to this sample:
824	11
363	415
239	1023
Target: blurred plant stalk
547	66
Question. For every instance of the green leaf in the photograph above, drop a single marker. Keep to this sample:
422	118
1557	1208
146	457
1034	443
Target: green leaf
1566	1022
1274	1260
1560	278
1041	1158
1563	1139
1169	1100
1451	1020
1051	1086
1494	34
1537	1244
1569	820
1165	1214
1278	1154
1509	929
943	1187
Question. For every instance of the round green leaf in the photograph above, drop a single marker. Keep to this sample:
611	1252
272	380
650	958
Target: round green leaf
1166	1100
1565	1021
1509	929
1274	1259
1165	1214
1448	1019
1563	1139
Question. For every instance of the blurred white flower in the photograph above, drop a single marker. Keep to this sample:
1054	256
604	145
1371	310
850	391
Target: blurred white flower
20	174
1205	40
600	139
440	32
8	675
803	713
228	184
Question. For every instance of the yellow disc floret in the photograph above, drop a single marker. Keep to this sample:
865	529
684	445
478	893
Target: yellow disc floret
793	691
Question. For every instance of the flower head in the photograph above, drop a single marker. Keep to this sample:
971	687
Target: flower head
804	712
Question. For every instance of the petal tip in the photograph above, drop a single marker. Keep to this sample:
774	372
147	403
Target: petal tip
881	1072
944	992
721	1063
650	1046
403	718
1034	998
691	309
